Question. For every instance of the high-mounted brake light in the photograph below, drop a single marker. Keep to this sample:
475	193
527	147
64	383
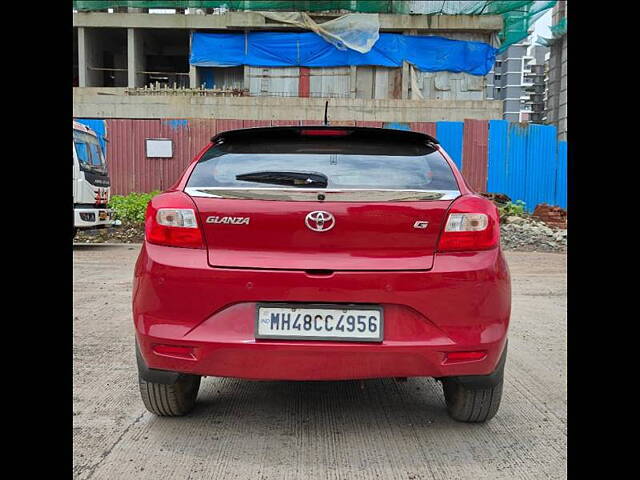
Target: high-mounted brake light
325	132
171	220
472	224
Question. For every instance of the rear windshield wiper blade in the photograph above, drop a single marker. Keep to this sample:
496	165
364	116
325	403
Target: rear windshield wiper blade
295	179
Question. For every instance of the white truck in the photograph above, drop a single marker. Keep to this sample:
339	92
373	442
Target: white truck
91	185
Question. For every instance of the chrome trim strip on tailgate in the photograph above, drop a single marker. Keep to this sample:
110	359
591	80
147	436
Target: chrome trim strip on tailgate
330	195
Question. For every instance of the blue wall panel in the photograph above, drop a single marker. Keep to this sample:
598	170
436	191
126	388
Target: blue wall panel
561	176
516	169
449	134
397	126
497	156
526	162
541	165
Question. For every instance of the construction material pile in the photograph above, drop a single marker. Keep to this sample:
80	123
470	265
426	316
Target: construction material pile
552	216
527	234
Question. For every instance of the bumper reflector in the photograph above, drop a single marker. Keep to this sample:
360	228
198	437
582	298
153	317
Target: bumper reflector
174	351
459	357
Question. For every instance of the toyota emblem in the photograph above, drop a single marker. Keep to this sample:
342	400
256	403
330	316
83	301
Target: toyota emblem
320	221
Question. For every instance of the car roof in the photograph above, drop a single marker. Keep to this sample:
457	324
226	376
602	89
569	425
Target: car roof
390	134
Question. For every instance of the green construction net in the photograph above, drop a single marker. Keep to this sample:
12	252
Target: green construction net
557	31
560	28
518	16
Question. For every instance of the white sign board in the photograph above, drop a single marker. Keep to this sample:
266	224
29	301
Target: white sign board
159	148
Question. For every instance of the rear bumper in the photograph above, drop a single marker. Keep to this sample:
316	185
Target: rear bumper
90	217
462	304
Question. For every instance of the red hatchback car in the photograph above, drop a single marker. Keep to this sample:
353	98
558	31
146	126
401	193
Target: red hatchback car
322	253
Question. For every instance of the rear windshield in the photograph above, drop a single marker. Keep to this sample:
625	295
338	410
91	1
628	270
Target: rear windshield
347	163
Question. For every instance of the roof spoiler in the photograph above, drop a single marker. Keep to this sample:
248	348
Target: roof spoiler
390	133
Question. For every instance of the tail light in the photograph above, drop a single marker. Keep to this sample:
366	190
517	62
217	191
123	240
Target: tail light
171	220
472	224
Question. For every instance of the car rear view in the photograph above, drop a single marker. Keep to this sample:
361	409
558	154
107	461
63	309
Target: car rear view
322	253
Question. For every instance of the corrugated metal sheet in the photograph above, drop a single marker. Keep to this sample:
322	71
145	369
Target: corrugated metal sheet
364	123
381	82
304	85
223	125
333	82
256	123
344	123
449	134
527	163
397	126
516	162
474	155
201	131
424	127
378	82
284	123
365	82
274	82
497	156
130	169
542	163
561	176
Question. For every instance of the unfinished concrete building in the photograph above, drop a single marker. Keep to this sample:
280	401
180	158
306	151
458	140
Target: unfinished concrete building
134	63
557	74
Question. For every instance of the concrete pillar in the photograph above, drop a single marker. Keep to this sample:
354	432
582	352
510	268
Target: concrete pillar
88	56
193	73
82	57
135	58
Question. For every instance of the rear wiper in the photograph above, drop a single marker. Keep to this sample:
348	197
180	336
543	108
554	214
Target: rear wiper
295	179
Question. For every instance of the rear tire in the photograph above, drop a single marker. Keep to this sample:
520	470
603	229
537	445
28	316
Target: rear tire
472	405
474	399
170	400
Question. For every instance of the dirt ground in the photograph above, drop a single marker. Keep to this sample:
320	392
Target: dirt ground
377	429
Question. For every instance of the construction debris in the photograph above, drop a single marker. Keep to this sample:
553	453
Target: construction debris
499	199
552	216
525	234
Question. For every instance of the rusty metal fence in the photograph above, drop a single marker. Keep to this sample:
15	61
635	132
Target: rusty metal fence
525	162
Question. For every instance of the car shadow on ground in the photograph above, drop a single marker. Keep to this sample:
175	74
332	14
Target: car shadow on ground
339	406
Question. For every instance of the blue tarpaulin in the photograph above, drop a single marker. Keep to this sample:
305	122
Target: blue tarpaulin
275	49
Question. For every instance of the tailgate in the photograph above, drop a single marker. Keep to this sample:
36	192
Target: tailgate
285	235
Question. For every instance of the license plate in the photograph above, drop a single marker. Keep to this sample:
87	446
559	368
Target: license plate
102	215
361	323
